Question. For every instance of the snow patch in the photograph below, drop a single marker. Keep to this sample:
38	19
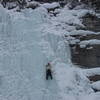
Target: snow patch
96	85
51	5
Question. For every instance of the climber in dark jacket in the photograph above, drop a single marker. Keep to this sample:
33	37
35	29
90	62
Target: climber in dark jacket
48	71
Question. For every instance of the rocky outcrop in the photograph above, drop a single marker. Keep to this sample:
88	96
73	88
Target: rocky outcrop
92	3
87	56
94	78
95	82
91	22
72	3
10	4
32	5
85	48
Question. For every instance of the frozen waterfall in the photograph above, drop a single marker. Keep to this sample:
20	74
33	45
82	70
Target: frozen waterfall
25	48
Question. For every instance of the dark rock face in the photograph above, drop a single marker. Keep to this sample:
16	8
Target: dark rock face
91	22
94	78
92	3
20	3
88	56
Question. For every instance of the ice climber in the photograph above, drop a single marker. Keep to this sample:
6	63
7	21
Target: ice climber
48	71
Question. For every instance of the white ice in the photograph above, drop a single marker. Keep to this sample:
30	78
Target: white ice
28	41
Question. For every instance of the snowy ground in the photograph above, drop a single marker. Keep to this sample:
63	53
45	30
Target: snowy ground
28	40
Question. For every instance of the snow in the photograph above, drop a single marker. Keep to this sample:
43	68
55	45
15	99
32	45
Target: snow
82	32
51	5
71	16
33	3
96	85
89	42
91	71
92	96
28	41
71	80
98	15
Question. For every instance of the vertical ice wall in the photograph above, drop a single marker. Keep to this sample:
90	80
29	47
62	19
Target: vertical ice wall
21	59
53	44
23	55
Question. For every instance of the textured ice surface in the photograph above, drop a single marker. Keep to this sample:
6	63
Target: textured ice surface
28	41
